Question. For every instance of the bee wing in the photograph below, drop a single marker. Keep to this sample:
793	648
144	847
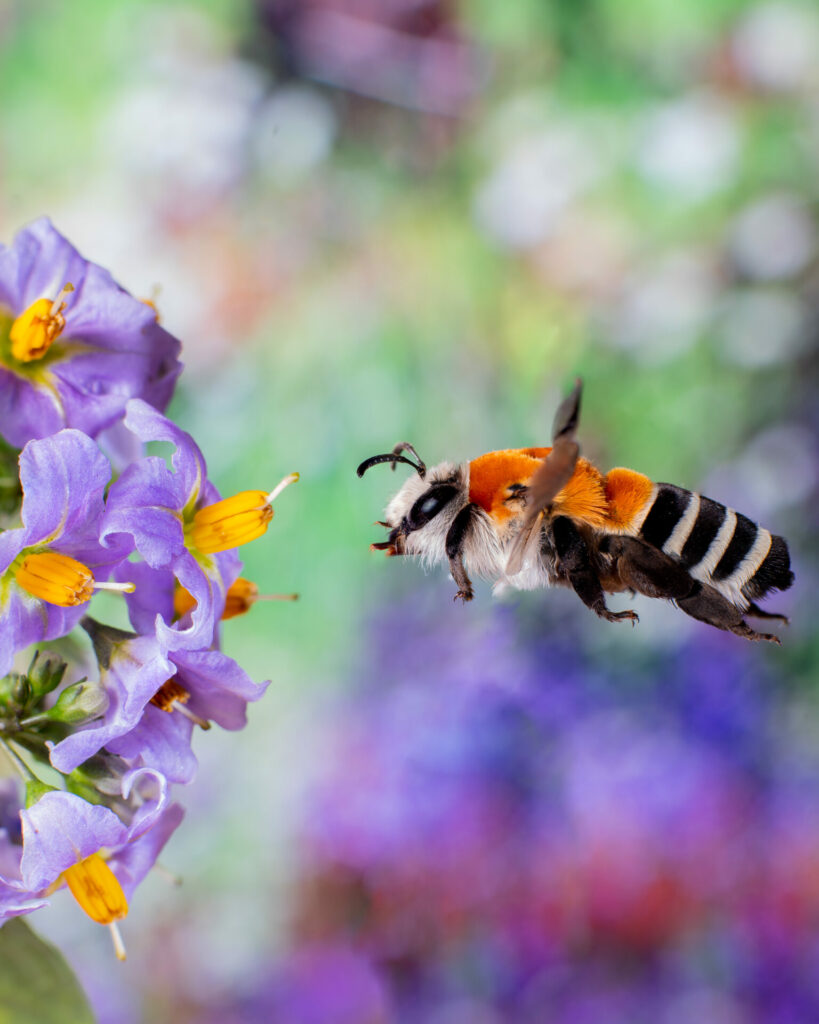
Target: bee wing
550	479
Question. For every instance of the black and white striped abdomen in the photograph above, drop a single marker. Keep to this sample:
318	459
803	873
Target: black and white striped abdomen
718	546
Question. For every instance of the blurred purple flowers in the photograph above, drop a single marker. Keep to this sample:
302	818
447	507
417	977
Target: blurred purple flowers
509	830
79	356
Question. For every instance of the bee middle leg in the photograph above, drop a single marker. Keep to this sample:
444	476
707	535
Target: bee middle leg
576	563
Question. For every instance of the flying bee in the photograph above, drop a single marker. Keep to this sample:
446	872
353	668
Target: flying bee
534	517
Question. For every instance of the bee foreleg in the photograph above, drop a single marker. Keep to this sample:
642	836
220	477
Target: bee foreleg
576	563
455	542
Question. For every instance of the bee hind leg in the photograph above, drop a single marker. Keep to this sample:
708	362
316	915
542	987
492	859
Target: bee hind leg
754	611
708	605
576	563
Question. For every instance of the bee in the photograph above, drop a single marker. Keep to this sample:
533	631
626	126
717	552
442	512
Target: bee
535	517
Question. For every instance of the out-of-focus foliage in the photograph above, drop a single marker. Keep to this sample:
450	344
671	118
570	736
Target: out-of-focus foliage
371	222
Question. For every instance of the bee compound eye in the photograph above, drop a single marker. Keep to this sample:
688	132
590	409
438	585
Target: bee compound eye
429	506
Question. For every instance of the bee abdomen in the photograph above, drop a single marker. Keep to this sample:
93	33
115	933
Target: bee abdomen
717	545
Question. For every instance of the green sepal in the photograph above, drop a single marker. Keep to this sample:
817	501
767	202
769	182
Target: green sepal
35	789
102	772
36	984
79	787
105	639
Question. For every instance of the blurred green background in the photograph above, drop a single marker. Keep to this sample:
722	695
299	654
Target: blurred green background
418	219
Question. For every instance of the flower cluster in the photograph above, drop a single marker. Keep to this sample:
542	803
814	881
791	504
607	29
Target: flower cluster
86	372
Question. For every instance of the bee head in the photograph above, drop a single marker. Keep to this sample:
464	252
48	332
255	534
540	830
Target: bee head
420	514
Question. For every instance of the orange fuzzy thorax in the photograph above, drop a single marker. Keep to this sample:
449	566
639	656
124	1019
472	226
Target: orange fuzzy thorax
589	497
627	493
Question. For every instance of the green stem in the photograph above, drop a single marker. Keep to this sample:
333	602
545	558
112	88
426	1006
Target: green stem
34	720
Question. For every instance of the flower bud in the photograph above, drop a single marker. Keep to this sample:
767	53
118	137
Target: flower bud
15	693
45	673
79	702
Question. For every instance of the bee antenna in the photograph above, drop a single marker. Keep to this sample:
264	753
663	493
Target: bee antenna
392	458
405	446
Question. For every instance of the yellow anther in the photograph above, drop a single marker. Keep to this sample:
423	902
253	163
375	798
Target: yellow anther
95	887
60	579
233	521
55	578
243	594
34	331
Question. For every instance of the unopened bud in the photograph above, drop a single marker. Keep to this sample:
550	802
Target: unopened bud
15	693
45	673
79	702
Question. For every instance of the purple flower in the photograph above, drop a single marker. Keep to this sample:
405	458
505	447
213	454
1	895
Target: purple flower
154	697
90	848
73	358
154	504
55	550
182	529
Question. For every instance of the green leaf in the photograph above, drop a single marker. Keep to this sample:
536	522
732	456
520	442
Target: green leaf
36	984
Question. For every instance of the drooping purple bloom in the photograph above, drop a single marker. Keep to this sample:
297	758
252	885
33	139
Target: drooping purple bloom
63	479
217	689
62	829
110	349
153	504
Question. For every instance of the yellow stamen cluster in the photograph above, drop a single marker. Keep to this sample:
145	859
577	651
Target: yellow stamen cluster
34	332
233	521
55	578
168	694
172	696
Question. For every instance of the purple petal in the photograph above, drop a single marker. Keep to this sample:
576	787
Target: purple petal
137	670
37	265
134	860
145	504
64	479
161	740
153	595
16	900
219	687
188	462
208	588
24	620
60	830
26	411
